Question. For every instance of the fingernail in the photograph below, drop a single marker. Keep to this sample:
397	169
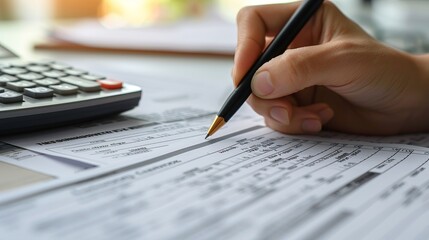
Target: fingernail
262	84
280	115
326	115
311	126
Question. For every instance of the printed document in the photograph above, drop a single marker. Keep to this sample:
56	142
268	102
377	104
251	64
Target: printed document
21	167
124	139
251	184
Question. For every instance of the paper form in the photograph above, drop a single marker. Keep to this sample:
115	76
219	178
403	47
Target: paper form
20	167
255	184
50	165
421	139
108	141
125	140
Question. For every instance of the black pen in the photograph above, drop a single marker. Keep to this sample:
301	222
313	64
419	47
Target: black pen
278	46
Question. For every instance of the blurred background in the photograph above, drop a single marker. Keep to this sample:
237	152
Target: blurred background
133	11
401	23
137	12
400	14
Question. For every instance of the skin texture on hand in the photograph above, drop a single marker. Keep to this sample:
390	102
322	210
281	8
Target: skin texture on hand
333	76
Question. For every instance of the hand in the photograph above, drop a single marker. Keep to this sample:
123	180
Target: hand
333	75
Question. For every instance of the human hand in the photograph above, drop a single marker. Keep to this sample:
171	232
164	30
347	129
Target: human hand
333	75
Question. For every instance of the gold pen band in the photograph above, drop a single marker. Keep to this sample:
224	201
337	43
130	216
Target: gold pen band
217	123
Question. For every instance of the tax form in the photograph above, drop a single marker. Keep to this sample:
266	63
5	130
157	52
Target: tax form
21	167
49	165
124	139
252	184
107	141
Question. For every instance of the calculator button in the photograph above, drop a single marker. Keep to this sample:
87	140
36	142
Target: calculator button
110	84
59	66
30	76
54	74
20	85
92	77
47	82
7	78
37	68
1	90
10	97
19	64
38	92
74	72
82	84
43	62
64	89
14	71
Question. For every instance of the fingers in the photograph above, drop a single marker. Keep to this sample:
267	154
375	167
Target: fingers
254	24
337	64
257	24
283	115
294	71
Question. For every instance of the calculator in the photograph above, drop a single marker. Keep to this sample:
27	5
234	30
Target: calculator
42	94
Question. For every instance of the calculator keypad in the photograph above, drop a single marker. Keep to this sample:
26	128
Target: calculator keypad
7	78
39	80
20	85
36	68
64	89
10	97
39	92
82	84
14	71
46	82
40	95
54	74
30	76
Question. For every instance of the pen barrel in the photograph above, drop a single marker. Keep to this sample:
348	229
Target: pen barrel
277	47
235	100
287	34
291	29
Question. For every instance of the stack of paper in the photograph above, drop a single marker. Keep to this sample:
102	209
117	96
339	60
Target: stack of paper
202	37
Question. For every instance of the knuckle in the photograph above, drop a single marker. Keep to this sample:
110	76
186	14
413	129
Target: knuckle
346	45
329	6
297	69
350	50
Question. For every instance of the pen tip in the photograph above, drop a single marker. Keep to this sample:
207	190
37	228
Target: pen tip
207	136
217	123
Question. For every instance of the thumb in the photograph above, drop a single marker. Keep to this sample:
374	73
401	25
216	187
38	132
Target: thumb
300	68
